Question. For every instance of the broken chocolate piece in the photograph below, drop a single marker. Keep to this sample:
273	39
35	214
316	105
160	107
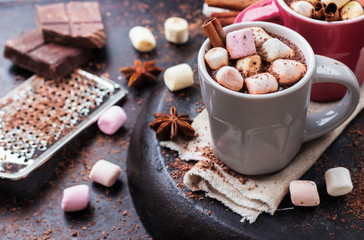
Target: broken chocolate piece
76	24
29	51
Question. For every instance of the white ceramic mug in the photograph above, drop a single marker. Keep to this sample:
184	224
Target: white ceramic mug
259	134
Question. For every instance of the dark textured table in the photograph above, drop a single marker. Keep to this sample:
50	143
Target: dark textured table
31	208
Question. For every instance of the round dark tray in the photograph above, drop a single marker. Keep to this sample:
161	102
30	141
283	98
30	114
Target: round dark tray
167	212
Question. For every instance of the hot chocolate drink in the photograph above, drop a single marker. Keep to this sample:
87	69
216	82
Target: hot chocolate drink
255	61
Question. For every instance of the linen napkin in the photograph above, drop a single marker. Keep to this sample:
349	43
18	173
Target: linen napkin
248	196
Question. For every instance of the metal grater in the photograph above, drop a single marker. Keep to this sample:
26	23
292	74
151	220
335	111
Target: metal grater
40	116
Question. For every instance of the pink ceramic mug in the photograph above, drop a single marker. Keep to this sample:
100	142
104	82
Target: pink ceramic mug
341	40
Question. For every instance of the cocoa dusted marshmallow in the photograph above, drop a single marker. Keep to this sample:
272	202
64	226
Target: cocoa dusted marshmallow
230	78
351	10
75	198
260	36
338	181
105	173
303	8
274	48
217	57
287	71
261	84
176	30
304	193
249	65
240	43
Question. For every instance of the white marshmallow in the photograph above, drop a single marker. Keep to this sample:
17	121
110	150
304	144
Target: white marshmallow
142	39
230	78
287	71
261	84
178	77
274	48
338	181
303	8
249	65
217	57
339	3
105	173
208	10
176	30
351	10
260	36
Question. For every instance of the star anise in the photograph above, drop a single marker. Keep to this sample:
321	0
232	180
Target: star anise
168	127
139	74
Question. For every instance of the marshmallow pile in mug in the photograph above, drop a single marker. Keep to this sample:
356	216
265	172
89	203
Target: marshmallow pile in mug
328	10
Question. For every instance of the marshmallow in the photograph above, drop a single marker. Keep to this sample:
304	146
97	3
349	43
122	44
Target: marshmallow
208	10
260	36
338	181
111	120
249	65
339	3
287	71
261	84
176	30
178	77
216	58
351	10
75	198
230	78
142	39
361	2
273	49
240	43
304	193
303	8
105	173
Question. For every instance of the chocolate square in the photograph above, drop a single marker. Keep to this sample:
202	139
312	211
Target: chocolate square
31	52
75	23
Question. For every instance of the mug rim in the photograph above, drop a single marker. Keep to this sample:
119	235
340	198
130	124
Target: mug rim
284	5
309	59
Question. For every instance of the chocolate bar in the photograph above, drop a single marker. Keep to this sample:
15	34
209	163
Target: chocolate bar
30	51
75	23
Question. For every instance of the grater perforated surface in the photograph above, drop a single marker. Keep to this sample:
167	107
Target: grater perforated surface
40	116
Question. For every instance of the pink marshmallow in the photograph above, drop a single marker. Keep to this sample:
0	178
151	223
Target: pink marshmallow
75	198
304	193
111	120
240	43
105	173
230	78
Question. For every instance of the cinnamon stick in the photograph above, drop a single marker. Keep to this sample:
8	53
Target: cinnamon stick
230	4
319	10
214	32
331	12
225	14
226	21
225	18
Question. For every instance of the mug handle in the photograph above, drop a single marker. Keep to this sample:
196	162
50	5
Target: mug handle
330	70
265	10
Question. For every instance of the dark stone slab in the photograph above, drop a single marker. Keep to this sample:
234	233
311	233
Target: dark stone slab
168	212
